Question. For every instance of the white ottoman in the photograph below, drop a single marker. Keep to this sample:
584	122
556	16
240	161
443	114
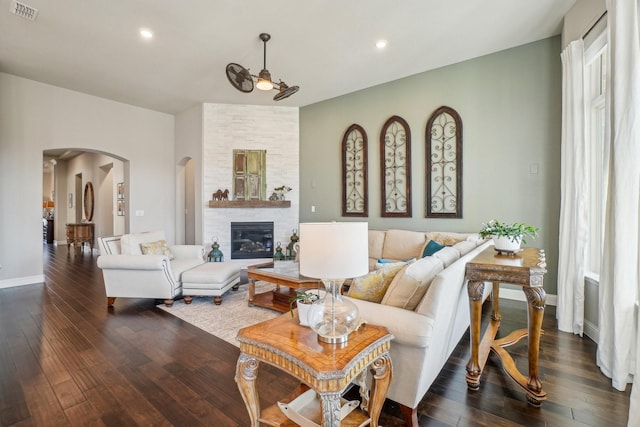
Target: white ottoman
210	279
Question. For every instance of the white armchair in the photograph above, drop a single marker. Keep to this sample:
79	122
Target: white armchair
130	274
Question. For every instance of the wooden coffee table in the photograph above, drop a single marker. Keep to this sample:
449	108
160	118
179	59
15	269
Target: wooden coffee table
285	275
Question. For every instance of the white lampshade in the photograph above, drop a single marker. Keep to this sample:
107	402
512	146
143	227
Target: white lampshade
334	250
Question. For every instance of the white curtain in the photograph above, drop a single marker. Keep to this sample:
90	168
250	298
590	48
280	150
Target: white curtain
574	204
619	346
619	285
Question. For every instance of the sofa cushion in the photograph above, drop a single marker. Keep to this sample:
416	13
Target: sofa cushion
408	327
446	238
158	247
376	242
410	284
403	244
465	247
179	266
372	286
431	248
447	255
130	243
475	238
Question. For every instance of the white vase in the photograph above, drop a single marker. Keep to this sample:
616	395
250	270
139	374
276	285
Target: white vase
505	244
303	313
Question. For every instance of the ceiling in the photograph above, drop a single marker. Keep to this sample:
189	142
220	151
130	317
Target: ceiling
326	47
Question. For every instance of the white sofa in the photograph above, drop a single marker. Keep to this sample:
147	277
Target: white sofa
130	274
425	336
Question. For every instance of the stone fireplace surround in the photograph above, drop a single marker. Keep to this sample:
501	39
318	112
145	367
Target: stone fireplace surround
274	129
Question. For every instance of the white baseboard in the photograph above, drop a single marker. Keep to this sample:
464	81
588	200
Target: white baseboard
591	330
518	295
21	281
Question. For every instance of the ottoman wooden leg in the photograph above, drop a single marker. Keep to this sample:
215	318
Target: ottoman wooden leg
217	300
168	302
110	301
188	299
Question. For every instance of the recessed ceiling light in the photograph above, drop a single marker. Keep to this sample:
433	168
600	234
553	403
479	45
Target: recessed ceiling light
381	44
146	33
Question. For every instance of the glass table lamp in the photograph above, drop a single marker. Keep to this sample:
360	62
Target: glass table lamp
333	252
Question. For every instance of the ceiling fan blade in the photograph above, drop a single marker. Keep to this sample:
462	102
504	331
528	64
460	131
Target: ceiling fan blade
285	92
239	77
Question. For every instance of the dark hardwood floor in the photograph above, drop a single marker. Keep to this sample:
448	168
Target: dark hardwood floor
67	360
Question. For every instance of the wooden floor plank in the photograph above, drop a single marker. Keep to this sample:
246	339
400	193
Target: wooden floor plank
66	359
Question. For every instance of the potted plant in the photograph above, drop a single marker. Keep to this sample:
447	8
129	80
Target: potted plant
303	300
508	237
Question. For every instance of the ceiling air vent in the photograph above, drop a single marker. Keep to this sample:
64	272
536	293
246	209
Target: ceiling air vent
24	11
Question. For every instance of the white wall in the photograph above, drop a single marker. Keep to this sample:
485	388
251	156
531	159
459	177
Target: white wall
229	127
188	146
37	117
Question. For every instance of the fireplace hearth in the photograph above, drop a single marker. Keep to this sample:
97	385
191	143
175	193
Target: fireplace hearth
251	240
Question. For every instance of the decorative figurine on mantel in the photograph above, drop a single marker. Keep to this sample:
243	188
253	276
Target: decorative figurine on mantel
278	256
220	195
279	192
216	254
290	251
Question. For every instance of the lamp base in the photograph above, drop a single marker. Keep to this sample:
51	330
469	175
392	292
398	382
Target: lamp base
333	340
337	338
333	318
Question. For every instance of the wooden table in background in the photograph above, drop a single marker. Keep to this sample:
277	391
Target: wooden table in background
326	368
286	276
80	233
525	268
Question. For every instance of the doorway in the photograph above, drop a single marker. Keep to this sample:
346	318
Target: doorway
78	198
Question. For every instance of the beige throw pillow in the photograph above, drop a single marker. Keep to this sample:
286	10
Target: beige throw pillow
157	248
372	286
409	285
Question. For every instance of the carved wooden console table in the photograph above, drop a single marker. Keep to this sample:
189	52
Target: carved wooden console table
525	268
80	233
326	368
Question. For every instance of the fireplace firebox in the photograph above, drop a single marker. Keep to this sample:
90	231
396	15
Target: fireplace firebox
251	240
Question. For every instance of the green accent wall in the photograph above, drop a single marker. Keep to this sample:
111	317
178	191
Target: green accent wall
510	103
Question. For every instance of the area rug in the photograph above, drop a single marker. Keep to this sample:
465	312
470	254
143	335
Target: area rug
226	319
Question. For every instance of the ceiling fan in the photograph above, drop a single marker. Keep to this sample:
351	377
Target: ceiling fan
241	79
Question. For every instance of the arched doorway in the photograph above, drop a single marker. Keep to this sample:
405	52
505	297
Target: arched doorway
72	169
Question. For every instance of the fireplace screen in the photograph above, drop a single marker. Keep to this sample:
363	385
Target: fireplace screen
251	240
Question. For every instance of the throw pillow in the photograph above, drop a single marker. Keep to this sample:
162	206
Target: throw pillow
157	248
431	248
409	286
384	263
372	286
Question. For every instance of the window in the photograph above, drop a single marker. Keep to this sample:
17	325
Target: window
595	78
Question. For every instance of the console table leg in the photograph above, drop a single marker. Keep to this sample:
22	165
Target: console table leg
475	290
495	302
246	375
535	303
